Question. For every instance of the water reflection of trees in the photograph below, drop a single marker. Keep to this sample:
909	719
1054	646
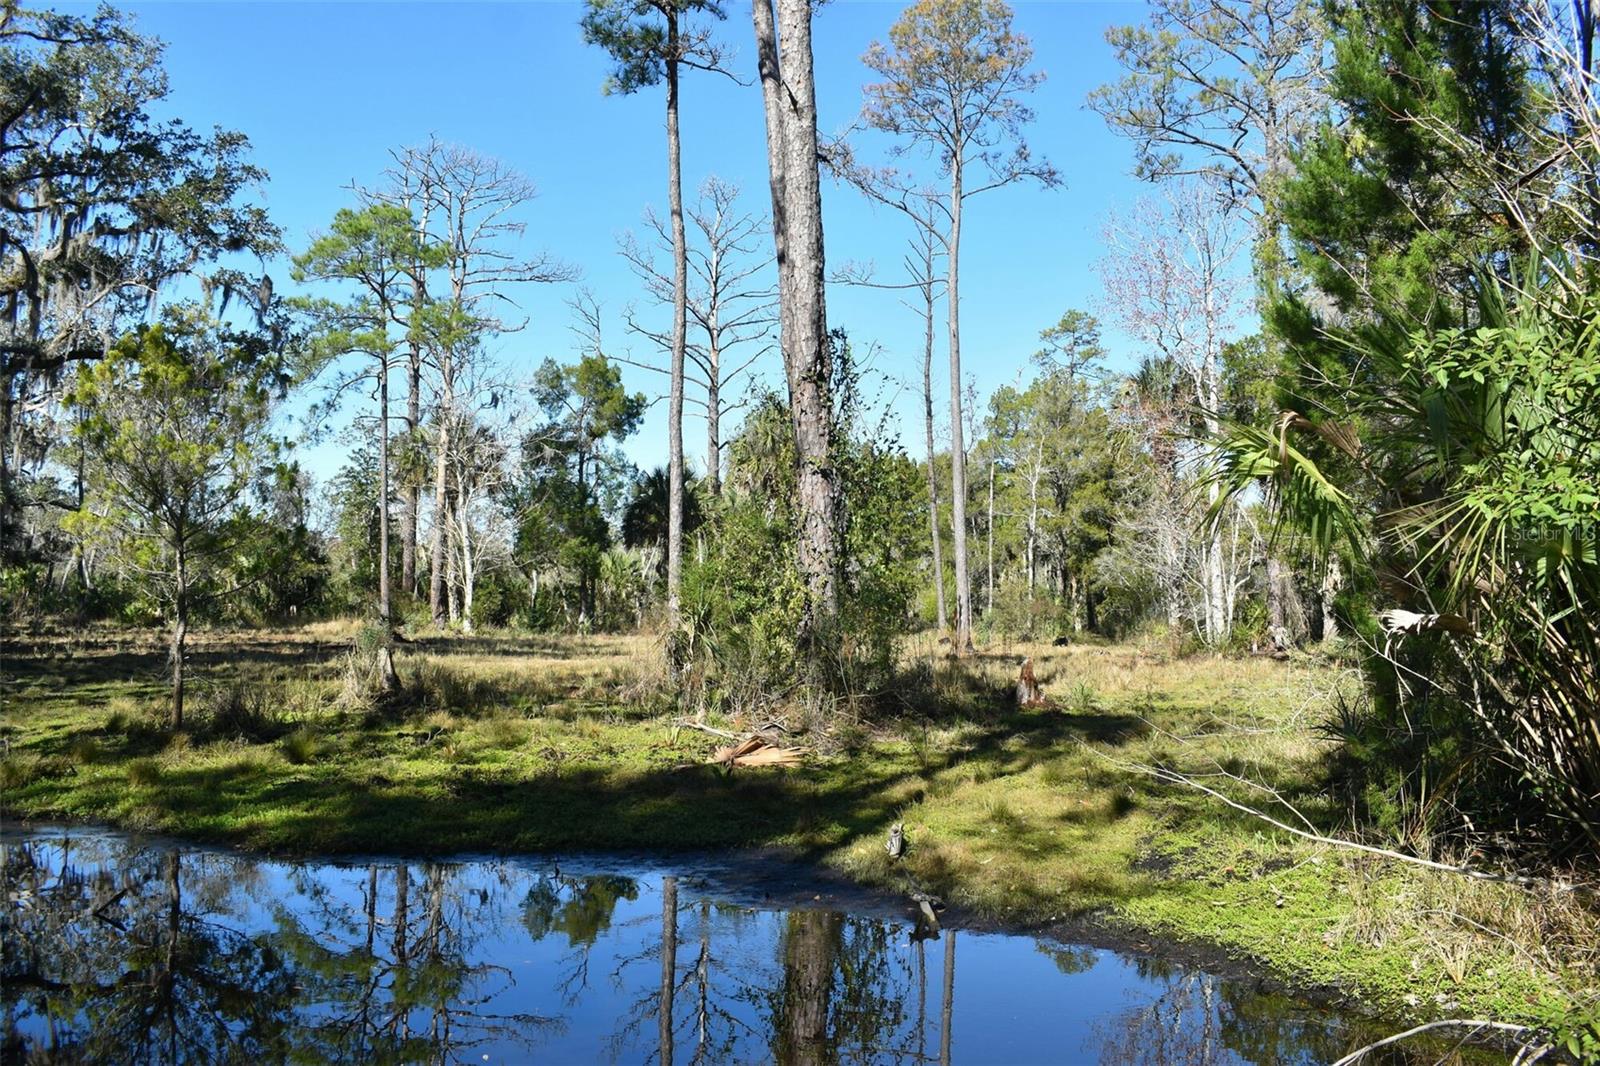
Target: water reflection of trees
1199	1019
389	967
122	967
696	980
119	954
114	952
579	908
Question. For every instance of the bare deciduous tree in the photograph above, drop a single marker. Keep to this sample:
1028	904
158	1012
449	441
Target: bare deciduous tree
467	203
727	299
1219	89
1174	282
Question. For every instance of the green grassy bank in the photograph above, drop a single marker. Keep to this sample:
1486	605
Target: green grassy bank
514	743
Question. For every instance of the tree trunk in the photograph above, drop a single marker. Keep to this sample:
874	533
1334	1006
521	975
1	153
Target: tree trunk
790	103
1216	594
413	495
411	499
988	591
1277	616
713	326
180	634
441	507
1285	612
669	965
947	1013
713	430
1332	581
452	584
385	615
958	454
80	549
1033	521
680	326
810	950
927	426
1217	620
7	429
383	493
469	566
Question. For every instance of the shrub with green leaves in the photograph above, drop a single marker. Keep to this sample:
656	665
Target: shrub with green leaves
743	604
1461	470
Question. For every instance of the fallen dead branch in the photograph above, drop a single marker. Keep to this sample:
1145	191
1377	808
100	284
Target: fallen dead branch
1161	773
690	723
1533	1051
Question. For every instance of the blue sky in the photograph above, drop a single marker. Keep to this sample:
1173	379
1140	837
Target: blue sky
326	90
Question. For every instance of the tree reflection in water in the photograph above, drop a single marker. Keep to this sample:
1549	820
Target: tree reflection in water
117	951
144	977
399	978
1199	1019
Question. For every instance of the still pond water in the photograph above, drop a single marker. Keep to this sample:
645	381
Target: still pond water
122	949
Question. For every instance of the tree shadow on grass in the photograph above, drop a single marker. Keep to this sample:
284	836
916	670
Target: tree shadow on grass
85	670
378	801
558	648
813	810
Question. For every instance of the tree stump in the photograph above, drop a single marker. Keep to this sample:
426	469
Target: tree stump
1029	694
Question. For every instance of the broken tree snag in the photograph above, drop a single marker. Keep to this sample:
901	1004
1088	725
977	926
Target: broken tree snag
1029	694
756	751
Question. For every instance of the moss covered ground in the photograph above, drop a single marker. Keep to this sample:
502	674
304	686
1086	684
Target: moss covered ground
511	742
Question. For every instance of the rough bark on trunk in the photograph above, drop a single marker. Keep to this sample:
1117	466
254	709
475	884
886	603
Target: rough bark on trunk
80	548
1332	581
789	97
988	591
1216	593
713	430
469	567
383	494
1216	578
7	383
1286	613
1277	617
680	326
452	598
413	494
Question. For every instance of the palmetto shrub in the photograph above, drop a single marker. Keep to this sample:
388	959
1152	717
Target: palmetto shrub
1459	464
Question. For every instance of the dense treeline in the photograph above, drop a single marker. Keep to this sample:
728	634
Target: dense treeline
1361	292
